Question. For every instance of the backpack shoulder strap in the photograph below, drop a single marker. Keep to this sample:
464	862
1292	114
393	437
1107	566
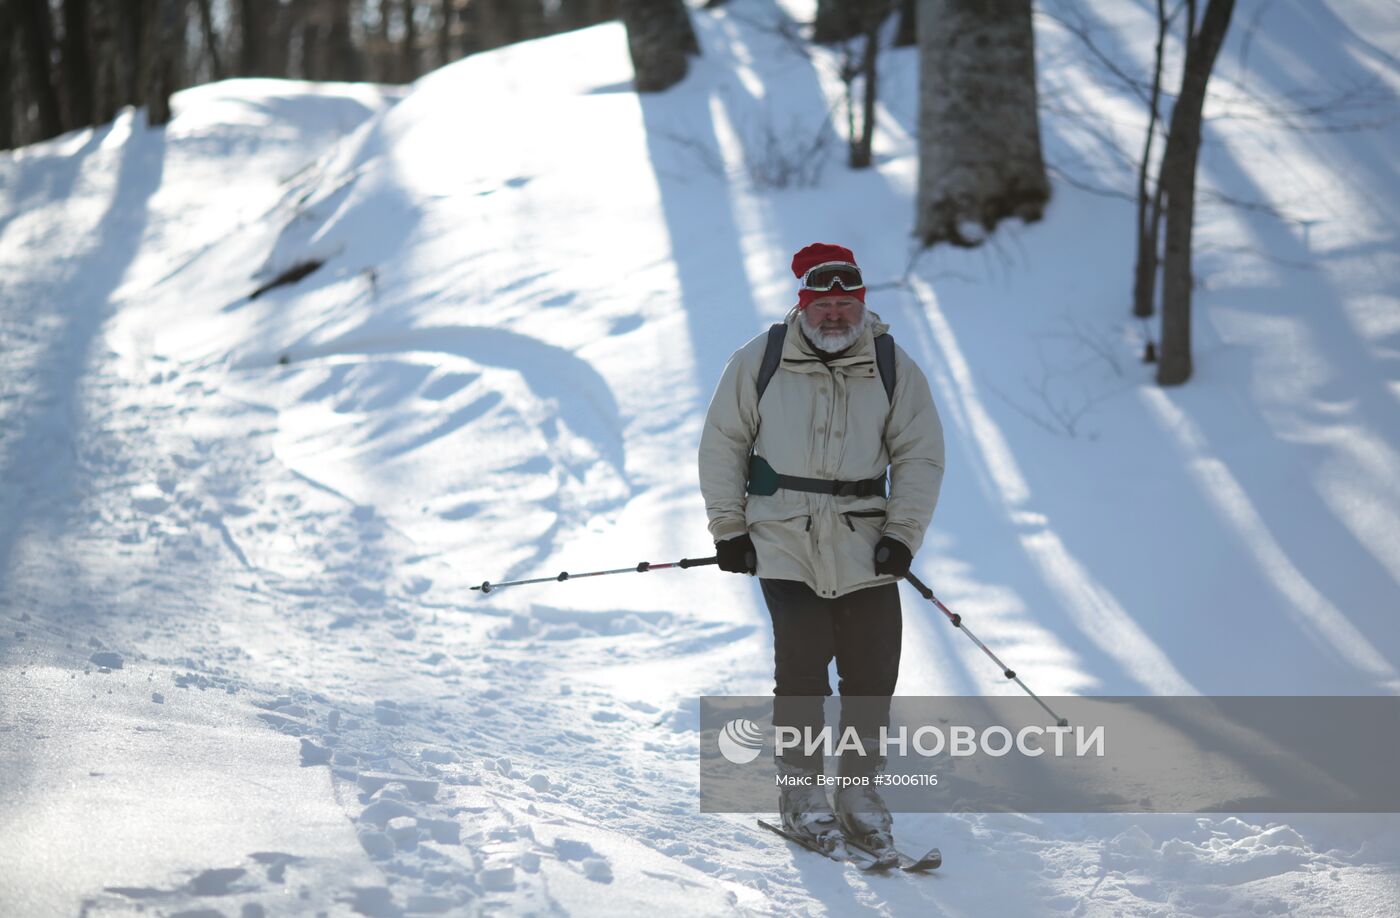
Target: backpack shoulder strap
771	357
884	359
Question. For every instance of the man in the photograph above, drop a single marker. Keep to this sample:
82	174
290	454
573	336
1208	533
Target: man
794	485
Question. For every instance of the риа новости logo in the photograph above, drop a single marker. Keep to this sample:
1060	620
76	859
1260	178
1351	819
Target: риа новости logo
740	741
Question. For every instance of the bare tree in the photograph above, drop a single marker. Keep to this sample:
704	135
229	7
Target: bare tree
36	36
341	58
77	62
251	23
277	56
660	39
130	24
1178	180
387	62
107	69
409	51
874	12
1149	196
979	135
307	44
446	15
131	52
211	41
1337	108
165	38
8	77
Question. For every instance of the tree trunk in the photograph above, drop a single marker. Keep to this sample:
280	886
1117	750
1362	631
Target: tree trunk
211	41
341	62
276	54
839	20
502	20
979	136
106	56
906	33
659	37
77	63
311	55
8	78
536	20
165	39
1178	181
251	26
386	62
130	24
444	37
861	147
409	54
36	35
1149	202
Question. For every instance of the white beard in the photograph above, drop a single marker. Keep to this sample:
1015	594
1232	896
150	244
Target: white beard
831	342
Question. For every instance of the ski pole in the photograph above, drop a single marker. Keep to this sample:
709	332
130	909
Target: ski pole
487	586
957	621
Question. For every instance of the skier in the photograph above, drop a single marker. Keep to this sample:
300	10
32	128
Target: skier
804	424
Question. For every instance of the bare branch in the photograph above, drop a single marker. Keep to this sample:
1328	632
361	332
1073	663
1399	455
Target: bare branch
1074	23
790	164
706	156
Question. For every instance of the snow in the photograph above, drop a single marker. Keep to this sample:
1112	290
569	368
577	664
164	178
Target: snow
242	670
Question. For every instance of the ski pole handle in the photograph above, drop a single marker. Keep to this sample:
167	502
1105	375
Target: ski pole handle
918	584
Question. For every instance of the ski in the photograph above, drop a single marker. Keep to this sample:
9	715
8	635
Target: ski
932	860
874	863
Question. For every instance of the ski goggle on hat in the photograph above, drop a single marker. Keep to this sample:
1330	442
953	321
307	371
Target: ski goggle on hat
831	274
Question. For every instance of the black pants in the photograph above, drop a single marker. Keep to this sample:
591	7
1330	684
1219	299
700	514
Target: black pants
862	630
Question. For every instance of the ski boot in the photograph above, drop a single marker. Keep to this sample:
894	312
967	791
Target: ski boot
805	812
865	819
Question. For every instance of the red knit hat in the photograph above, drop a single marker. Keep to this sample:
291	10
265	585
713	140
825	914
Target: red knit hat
815	254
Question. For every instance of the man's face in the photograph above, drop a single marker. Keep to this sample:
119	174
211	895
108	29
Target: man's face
833	322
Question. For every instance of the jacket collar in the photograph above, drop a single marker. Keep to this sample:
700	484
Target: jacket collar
797	349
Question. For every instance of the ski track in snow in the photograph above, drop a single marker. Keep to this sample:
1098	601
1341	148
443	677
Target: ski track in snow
239	535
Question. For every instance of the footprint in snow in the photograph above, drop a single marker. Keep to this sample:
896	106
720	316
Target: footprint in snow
593	865
276	863
217	881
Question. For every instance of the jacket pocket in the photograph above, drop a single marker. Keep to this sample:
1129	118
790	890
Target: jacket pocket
786	547
854	546
860	514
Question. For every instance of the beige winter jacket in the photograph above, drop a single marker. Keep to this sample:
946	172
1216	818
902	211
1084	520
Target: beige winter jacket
822	420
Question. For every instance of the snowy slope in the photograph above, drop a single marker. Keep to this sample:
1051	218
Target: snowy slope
273	509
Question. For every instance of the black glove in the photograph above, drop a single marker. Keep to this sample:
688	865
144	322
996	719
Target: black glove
891	557
736	555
